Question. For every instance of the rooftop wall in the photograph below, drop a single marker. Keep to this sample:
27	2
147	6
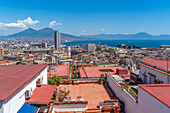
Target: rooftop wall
131	106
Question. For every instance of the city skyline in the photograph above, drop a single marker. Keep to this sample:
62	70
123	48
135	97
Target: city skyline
86	17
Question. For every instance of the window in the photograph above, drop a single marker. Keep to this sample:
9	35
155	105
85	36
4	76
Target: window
127	80
39	81
145	79
152	78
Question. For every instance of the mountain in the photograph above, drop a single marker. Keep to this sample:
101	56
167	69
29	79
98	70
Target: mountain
48	33
138	36
45	33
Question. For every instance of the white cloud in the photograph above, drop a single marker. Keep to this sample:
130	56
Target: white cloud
12	25
102	29
21	24
53	23
28	22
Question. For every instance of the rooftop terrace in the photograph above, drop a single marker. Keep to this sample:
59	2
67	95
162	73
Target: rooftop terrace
93	95
95	72
61	71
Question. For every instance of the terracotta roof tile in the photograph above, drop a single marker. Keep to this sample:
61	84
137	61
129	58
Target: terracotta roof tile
160	91
61	71
42	94
158	63
95	72
14	77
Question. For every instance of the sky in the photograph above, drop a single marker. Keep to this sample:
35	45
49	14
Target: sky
86	17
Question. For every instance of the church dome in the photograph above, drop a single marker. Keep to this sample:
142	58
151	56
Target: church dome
126	62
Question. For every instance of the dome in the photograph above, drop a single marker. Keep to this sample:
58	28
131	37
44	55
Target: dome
126	62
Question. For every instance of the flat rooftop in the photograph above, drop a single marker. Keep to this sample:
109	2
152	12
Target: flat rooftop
95	72
160	91
93	95
14	77
62	71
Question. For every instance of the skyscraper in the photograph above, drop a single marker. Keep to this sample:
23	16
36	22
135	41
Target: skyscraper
57	40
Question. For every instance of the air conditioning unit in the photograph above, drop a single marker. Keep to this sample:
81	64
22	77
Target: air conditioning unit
39	81
28	94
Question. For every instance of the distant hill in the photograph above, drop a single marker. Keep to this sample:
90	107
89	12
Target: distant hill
138	36
48	33
45	33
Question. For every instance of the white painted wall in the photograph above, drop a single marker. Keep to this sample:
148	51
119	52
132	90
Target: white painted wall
149	104
160	76
131	106
1	106
13	104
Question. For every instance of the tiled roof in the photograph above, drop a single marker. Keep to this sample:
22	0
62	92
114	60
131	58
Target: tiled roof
42	94
82	73
95	72
160	91
61	71
96	60
81	63
158	63
14	77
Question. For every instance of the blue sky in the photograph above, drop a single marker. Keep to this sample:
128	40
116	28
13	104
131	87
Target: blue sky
79	17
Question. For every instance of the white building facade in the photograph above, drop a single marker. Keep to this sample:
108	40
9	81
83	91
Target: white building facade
149	104
151	74
16	101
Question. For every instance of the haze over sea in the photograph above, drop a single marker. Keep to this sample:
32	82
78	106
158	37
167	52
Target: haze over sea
138	43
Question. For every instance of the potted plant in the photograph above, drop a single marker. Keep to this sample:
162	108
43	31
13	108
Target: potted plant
72	82
62	93
102	79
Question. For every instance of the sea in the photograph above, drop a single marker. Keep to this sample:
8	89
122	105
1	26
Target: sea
112	43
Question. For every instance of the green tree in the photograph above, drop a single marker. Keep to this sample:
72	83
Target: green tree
54	80
50	75
59	80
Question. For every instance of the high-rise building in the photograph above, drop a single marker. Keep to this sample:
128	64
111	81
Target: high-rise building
44	45
57	40
68	51
1	52
90	47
